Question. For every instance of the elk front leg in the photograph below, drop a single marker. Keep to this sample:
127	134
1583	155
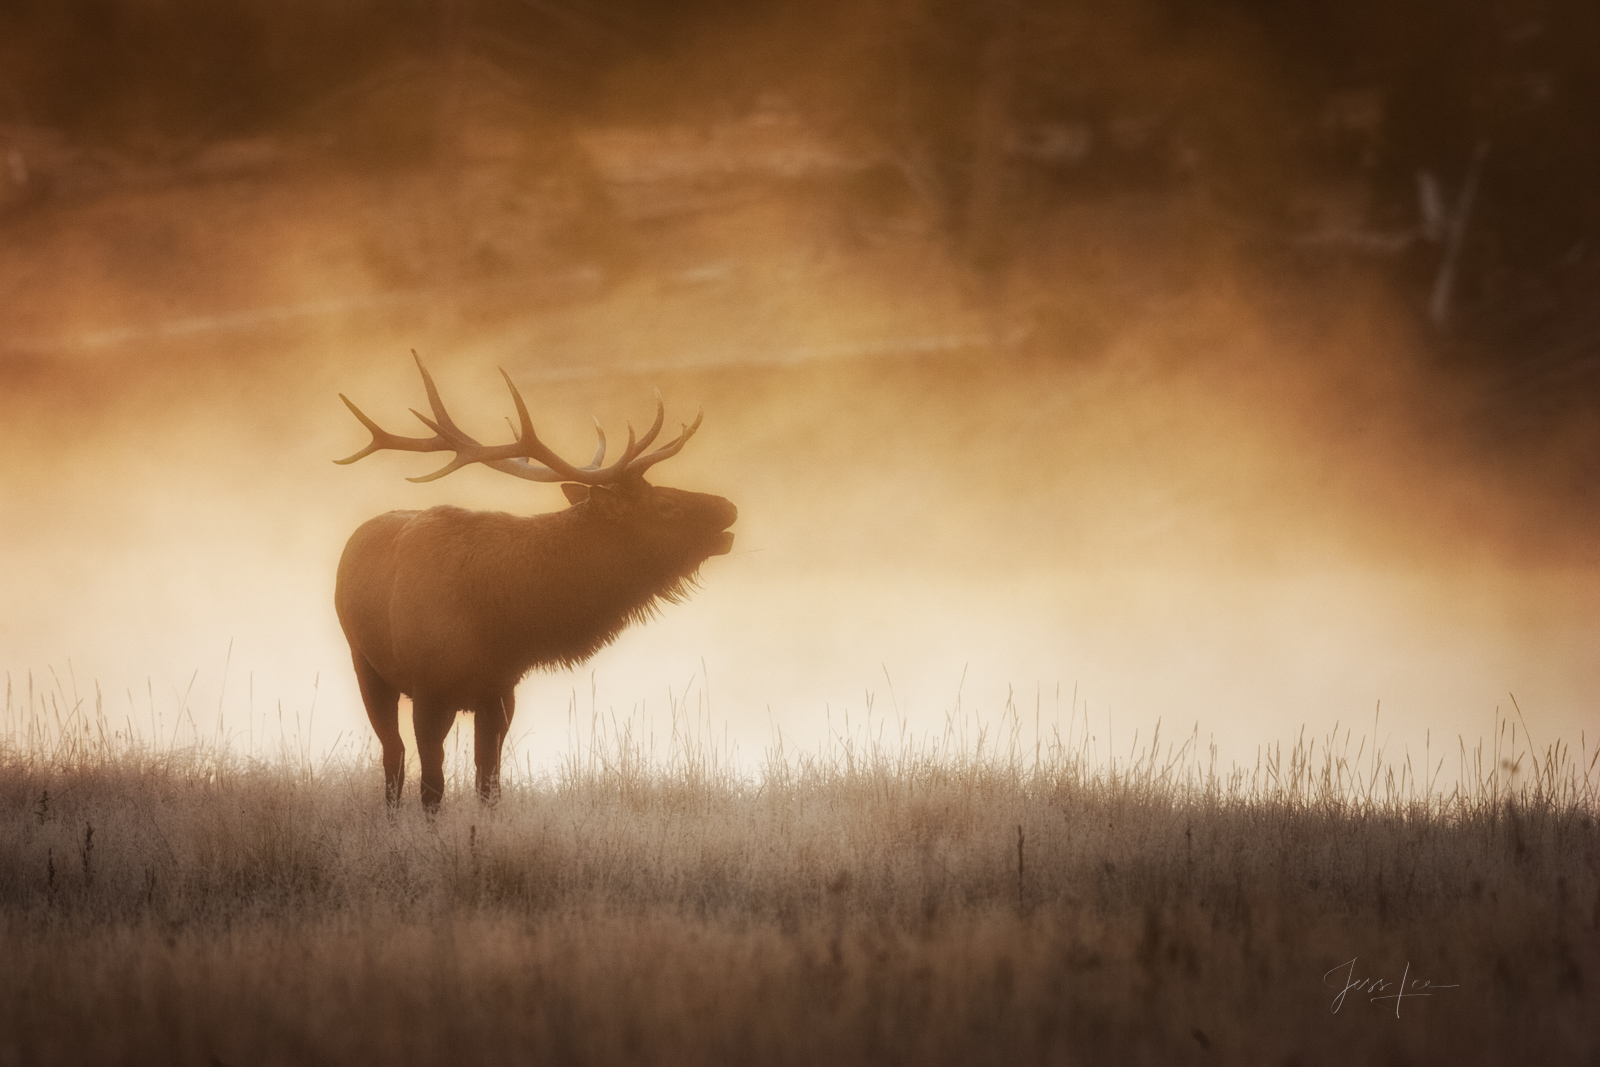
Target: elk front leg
493	721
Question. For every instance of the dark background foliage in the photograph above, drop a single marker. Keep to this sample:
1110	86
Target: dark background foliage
1250	88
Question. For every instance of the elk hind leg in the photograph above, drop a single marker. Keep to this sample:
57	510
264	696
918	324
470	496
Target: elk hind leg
492	720
383	710
431	719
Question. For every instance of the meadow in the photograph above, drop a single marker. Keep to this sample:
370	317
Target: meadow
984	896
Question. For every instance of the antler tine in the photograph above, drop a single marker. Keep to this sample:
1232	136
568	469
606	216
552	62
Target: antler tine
655	427
467	450
510	458
528	446
382	439
503	458
516	458
644	463
526	432
440	415
635	447
631	462
619	470
447	436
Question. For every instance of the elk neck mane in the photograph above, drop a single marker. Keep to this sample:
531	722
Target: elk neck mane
566	567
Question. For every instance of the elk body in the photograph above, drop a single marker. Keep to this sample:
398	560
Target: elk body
453	607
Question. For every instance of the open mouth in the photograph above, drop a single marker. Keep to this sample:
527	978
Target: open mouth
723	544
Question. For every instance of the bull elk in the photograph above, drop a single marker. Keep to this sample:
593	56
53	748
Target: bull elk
453	607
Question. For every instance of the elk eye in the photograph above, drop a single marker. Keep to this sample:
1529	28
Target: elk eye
669	511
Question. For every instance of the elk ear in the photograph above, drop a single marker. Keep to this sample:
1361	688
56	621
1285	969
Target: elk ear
576	494
608	502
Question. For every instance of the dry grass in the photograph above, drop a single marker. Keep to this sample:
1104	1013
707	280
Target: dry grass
948	901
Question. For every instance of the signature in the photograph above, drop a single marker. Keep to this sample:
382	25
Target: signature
1378	988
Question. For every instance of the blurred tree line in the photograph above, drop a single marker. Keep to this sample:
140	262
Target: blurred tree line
990	104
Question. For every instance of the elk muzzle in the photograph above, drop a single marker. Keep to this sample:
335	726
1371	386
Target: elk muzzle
726	517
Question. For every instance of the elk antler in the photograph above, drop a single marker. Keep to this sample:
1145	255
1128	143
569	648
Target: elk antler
515	458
